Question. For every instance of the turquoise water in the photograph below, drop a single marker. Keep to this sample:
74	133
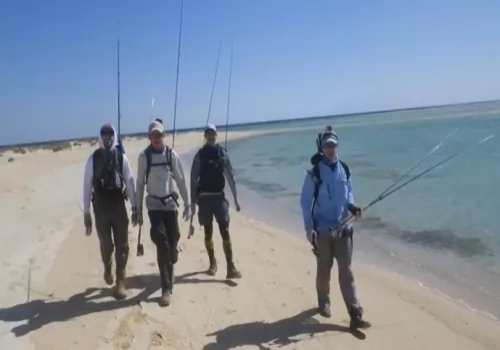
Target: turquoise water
445	223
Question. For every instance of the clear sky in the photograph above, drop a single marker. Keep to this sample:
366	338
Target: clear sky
292	58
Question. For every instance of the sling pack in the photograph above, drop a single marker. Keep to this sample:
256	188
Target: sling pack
108	172
148	152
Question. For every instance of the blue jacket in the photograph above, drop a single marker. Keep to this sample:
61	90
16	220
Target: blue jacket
334	195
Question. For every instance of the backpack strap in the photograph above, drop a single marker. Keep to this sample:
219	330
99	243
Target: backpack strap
148	152
346	169
316	177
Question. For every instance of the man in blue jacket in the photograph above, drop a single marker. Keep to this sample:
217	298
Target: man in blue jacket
326	200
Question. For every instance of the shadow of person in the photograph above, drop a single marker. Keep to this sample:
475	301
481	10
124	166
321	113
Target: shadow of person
39	313
279	333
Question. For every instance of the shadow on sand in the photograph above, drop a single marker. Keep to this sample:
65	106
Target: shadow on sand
280	333
41	312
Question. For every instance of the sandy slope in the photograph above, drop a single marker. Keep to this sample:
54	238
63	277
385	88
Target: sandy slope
70	308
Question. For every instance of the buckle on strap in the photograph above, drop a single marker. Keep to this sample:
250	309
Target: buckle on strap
164	199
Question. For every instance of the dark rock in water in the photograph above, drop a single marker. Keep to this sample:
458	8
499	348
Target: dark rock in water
10	160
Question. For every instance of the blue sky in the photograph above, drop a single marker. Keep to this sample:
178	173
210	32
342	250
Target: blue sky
292	58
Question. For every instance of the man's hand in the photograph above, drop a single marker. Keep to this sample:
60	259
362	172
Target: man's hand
311	236
187	213
140	220
134	217
237	204
355	211
87	220
193	209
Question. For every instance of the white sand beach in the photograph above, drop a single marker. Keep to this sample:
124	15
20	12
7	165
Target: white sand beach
272	307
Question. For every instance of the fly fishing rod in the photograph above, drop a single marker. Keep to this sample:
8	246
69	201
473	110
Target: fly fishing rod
431	152
416	177
118	81
177	73
229	92
151	110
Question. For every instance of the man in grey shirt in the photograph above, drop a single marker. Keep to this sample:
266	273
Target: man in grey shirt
211	166
158	166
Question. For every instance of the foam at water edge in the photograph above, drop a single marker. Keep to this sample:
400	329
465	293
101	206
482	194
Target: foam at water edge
457	301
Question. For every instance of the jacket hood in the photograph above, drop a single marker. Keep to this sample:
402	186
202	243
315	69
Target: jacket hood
115	138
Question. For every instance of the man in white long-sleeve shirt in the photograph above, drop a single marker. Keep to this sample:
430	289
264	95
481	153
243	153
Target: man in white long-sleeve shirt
158	167
107	175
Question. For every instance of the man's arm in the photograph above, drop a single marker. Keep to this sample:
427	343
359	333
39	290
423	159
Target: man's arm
229	174
87	184
179	178
195	173
141	180
129	181
306	199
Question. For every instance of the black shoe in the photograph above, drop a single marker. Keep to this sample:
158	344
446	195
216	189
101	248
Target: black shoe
324	310
357	320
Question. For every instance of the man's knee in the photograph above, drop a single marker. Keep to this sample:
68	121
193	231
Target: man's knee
224	229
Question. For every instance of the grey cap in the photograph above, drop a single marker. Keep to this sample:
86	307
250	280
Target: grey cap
155	126
210	127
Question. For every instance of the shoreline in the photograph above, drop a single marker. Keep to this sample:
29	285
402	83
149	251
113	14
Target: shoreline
397	257
206	313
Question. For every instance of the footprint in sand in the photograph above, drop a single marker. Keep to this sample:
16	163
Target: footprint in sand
156	339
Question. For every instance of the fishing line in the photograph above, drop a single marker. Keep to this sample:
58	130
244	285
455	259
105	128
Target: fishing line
177	73
229	92
419	175
213	82
432	151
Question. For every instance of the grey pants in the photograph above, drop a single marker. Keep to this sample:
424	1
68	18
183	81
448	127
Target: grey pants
340	249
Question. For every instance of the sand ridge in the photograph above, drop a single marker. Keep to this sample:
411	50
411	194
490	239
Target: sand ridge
271	307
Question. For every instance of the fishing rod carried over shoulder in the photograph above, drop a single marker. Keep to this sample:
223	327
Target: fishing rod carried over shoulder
229	92
177	74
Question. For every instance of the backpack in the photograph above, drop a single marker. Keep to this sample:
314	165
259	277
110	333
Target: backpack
149	154
108	176
211	177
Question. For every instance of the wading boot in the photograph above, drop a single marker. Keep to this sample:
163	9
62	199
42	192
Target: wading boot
212	270
108	274
120	290
324	310
165	299
232	271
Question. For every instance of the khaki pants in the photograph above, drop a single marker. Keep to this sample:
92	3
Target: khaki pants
340	249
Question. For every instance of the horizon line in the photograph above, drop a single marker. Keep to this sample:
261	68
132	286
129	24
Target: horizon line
262	122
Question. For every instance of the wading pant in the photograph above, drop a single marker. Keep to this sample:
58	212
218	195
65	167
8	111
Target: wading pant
340	249
111	221
165	235
210	207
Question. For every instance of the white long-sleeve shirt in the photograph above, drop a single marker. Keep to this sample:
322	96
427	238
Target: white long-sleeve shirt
160	182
